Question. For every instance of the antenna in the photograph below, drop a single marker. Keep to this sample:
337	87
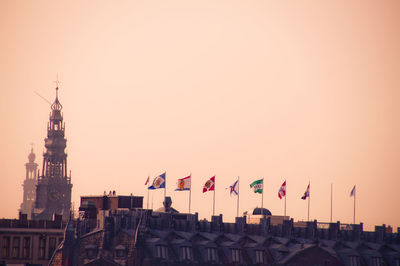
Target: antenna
42	97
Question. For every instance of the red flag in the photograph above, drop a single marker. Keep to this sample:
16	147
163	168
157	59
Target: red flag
209	185
147	181
282	190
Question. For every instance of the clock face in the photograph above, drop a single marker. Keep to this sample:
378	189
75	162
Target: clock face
54	195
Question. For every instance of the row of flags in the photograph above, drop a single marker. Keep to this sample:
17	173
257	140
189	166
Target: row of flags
258	186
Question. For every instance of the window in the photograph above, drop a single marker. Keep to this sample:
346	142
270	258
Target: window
16	245
354	261
91	251
52	246
259	256
211	254
42	247
377	261
5	250
26	247
235	255
162	252
186	253
120	251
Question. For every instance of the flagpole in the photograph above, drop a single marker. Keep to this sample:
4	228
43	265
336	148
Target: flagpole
354	217
148	198
237	211
165	191
285	209
214	198
262	197
331	201
148	178
190	191
285	200
308	209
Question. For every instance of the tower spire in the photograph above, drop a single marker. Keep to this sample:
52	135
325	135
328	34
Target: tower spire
53	193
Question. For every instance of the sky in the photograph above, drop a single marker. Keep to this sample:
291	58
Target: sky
302	91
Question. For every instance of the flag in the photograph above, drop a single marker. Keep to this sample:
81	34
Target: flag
282	190
258	186
158	182
353	191
147	181
307	193
233	188
184	183
209	185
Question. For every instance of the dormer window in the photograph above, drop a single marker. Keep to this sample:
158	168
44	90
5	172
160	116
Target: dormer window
120	252
161	252
236	255
354	261
260	256
211	254
378	261
91	251
186	253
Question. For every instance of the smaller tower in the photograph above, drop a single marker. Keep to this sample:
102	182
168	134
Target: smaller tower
29	186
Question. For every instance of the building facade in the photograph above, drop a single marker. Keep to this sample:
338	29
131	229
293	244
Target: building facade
28	201
53	191
24	241
144	237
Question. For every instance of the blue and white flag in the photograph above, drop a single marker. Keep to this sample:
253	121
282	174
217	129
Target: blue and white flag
233	189
353	191
158	182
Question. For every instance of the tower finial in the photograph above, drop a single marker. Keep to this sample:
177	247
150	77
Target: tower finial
57	82
56	105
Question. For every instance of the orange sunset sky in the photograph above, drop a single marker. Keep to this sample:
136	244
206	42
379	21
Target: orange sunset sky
282	90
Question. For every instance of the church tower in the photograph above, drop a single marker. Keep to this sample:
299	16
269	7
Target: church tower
53	190
29	186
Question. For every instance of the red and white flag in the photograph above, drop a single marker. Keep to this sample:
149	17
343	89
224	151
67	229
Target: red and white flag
209	185
282	190
147	181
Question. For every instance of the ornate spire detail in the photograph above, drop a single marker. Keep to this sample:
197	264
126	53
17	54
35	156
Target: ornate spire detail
56	105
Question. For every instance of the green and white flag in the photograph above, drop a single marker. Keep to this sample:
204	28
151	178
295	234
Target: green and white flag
257	186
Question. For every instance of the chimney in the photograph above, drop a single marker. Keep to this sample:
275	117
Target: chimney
287	228
380	233
311	231
240	224
334	229
217	224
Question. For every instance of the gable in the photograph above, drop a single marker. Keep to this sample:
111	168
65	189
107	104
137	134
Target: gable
314	255
198	238
246	241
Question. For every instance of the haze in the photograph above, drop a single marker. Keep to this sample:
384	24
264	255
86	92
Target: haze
282	90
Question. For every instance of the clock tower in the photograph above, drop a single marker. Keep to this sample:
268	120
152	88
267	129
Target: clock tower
53	190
